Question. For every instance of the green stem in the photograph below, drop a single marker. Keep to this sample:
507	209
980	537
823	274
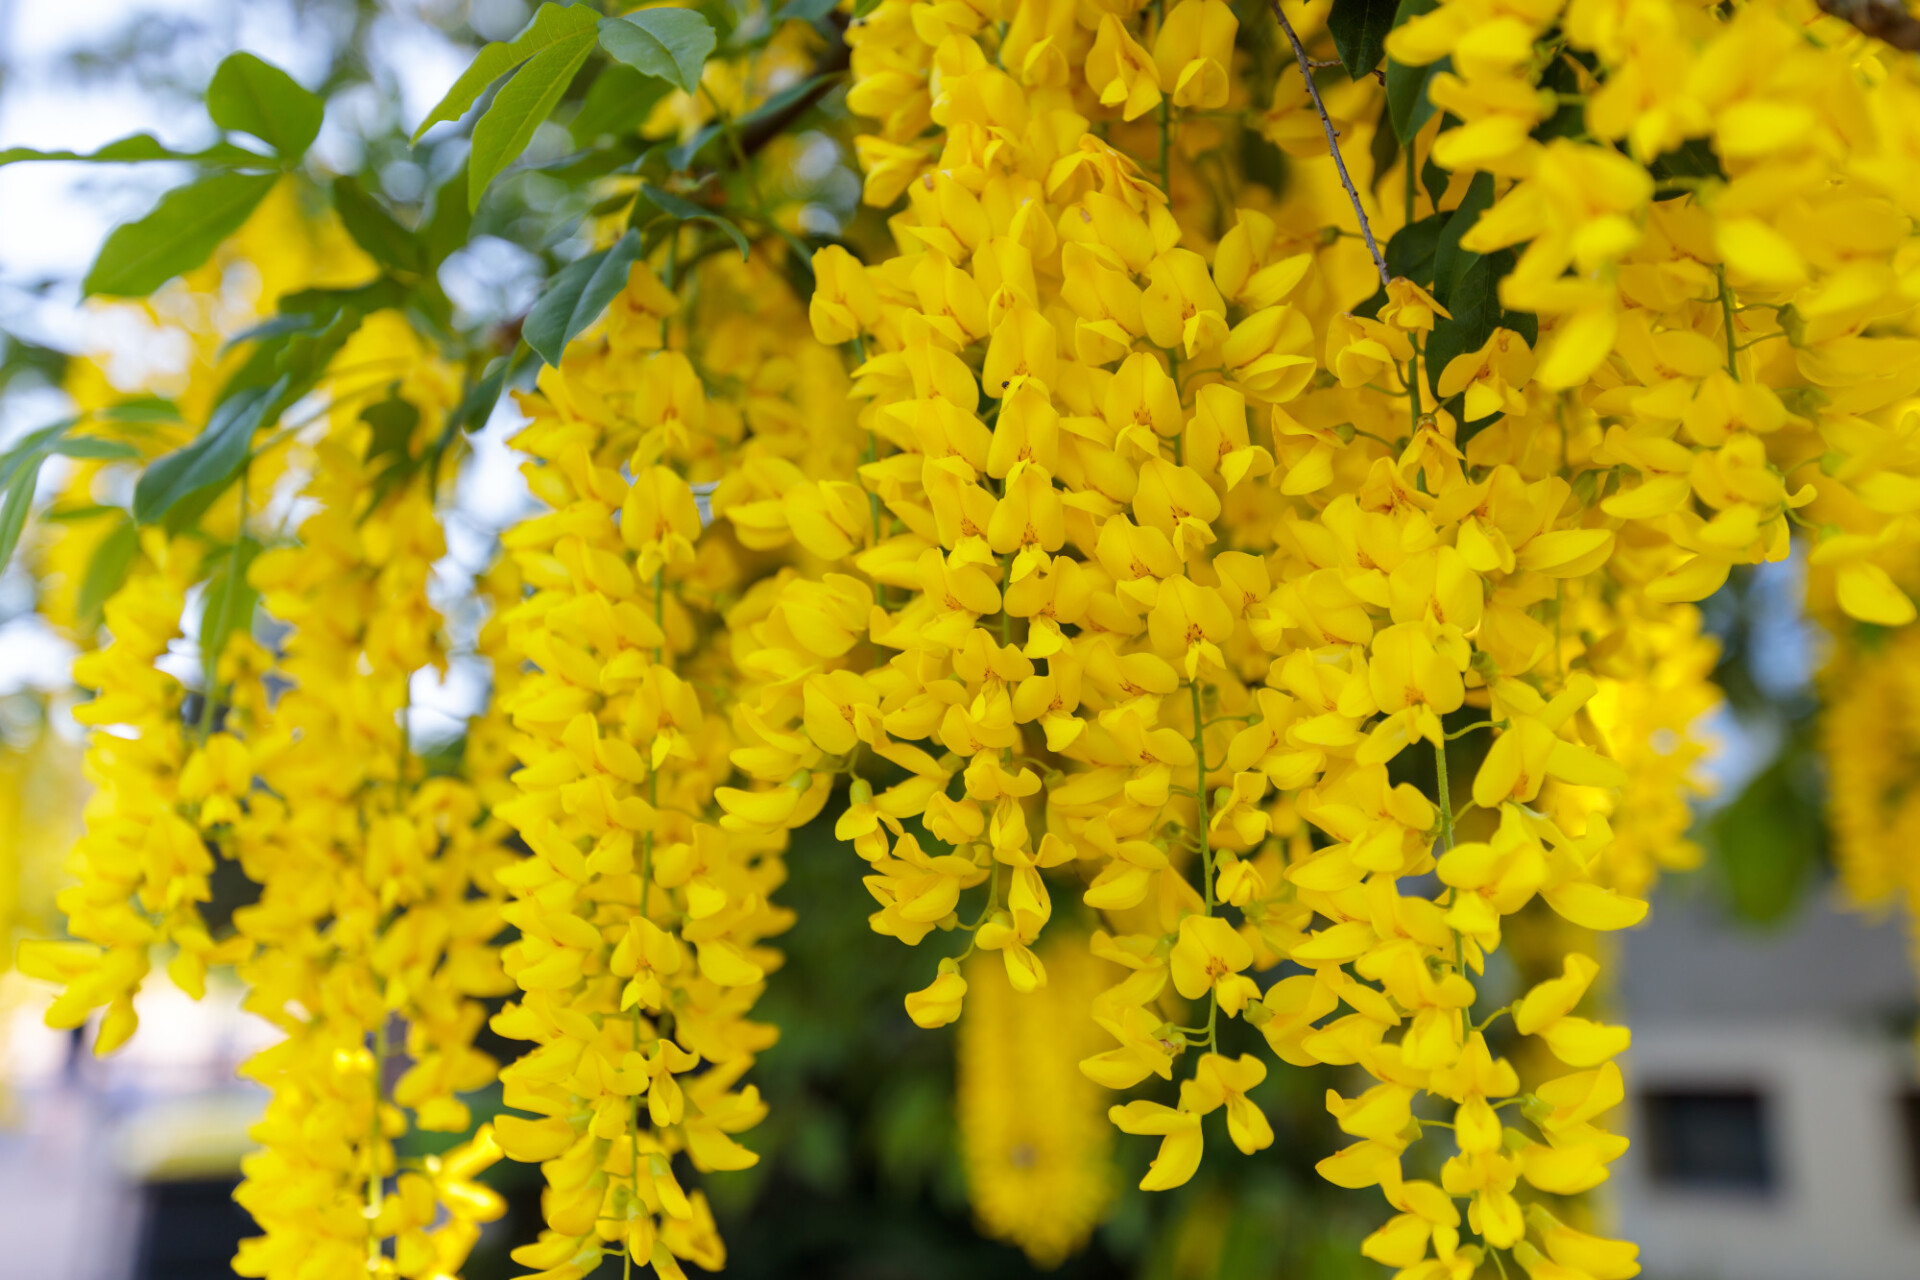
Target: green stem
733	144
653	774
1413	391
1726	322
1411	183
1006	620
633	1149
376	1185
1446	797
210	658
1200	791
1487	1021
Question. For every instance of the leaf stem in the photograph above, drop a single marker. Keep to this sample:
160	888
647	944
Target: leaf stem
1446	797
1726	321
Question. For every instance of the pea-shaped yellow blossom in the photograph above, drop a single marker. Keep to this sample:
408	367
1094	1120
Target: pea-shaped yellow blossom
1208	958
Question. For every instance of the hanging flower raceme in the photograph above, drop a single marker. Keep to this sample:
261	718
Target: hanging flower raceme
1188	571
643	908
374	934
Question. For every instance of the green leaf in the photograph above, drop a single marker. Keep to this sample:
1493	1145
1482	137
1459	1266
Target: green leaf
106	570
1359	29
681	158
229	605
310	329
1767	843
181	233
251	96
1449	259
1464	282
520	107
92	447
476	406
617	104
670	43
687	211
1561	77
394	421
33	447
142	409
1407	102
805	10
580	292
374	229
210	458
1475	304
137	147
15	502
447	229
1410	252
22	359
553	24
1693	158
1408	105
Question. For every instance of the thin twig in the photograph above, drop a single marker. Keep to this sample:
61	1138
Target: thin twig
1333	140
1885	20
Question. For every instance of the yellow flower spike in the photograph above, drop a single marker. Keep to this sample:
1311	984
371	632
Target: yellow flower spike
1149	636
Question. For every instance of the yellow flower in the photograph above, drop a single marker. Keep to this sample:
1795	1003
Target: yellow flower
1208	958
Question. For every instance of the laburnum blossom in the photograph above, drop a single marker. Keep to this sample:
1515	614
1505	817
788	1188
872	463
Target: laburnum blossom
1189	596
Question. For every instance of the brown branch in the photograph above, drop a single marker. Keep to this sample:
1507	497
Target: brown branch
1333	139
1886	20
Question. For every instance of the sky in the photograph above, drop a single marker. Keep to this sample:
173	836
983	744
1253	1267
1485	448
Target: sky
53	216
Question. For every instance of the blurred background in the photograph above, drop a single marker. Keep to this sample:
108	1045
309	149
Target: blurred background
1773	1099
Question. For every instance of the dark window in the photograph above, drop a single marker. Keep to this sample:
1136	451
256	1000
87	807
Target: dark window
1709	1140
191	1231
1910	1132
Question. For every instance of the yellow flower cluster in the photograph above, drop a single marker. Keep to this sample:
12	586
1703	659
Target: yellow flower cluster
372	937
143	865
1145	546
643	909
1871	738
378	900
1178	548
1037	1151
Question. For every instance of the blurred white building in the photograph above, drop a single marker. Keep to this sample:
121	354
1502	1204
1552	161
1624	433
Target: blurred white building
1772	1097
95	1155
